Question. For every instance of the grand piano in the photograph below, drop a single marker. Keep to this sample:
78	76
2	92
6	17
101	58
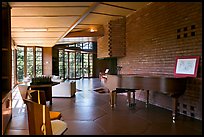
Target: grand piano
171	86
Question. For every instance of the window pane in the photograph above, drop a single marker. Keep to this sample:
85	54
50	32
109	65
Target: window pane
78	64
30	62
39	61
90	45
20	64
72	45
71	65
86	65
66	64
85	45
61	74
90	65
79	45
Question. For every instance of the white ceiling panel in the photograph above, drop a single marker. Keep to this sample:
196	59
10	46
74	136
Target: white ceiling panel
57	29
15	4
36	34
61	18
48	42
36	22
67	11
50	29
97	19
35	39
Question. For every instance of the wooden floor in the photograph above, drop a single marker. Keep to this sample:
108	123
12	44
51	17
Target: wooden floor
89	113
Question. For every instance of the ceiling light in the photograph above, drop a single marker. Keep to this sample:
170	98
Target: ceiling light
92	30
36	29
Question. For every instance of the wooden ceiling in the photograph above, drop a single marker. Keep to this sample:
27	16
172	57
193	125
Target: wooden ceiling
48	23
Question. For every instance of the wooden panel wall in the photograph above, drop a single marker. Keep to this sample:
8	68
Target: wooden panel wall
47	61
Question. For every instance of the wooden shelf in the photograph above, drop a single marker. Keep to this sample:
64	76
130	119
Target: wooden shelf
7	64
6	110
4	77
4	49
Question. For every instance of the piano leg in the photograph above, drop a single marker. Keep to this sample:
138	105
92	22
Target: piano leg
134	97
129	98
133	104
174	108
113	98
147	100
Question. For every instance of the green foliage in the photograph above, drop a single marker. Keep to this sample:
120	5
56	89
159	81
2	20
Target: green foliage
41	80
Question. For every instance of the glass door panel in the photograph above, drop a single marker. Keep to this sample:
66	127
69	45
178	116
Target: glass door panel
85	65
72	65
66	63
78	65
61	60
30	62
90	65
39	62
20	64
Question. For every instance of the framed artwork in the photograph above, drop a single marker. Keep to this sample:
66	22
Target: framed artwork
186	66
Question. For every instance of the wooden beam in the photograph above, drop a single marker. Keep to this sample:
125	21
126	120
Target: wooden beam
34	16
85	33
117	6
99	13
80	19
36	6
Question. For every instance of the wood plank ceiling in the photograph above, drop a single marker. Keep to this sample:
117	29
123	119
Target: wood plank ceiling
48	23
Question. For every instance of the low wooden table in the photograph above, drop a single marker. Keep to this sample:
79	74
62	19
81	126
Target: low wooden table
46	87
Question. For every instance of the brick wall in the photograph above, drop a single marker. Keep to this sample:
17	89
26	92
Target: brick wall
102	44
112	44
117	37
155	35
47	61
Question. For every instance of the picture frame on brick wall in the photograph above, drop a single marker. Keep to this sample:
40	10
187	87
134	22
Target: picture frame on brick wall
186	66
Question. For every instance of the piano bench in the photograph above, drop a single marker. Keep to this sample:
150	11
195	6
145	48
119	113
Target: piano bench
113	96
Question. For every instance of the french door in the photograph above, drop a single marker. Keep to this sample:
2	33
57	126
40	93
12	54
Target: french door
80	65
87	65
76	65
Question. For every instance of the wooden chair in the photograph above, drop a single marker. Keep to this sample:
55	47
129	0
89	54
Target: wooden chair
25	94
38	96
23	90
39	120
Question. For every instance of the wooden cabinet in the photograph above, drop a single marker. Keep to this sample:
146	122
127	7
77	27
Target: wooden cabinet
112	44
6	110
6	65
6	48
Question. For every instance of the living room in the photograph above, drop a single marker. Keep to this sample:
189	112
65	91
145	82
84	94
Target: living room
130	39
